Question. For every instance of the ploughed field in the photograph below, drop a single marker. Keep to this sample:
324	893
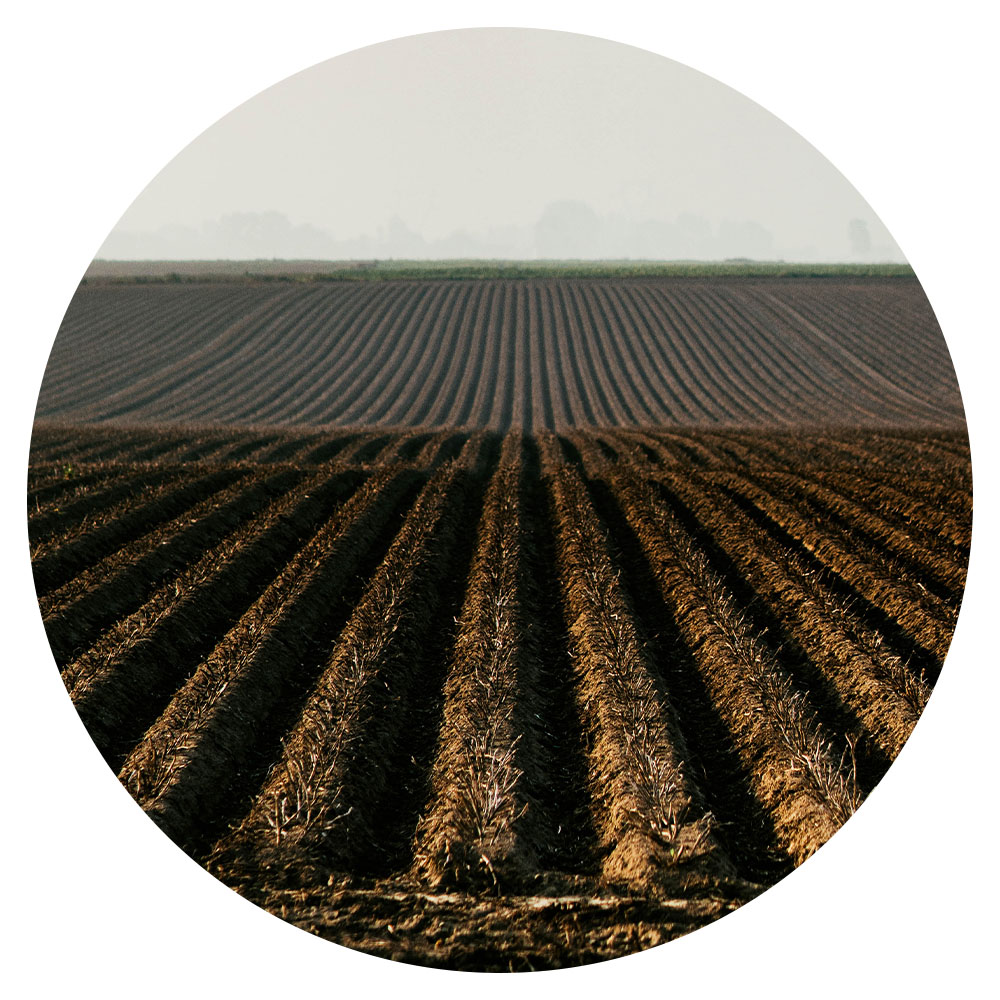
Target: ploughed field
538	354
501	701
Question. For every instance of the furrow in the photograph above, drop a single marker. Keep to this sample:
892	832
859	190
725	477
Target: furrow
93	503
77	613
483	825
56	562
884	695
932	568
648	810
805	785
317	811
118	696
200	762
899	599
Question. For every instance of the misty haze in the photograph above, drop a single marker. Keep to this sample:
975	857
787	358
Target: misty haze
566	230
486	615
502	144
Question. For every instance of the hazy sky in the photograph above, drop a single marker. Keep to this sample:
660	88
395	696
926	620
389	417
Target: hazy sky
411	141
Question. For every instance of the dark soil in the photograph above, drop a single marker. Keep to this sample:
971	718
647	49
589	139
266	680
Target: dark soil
438	694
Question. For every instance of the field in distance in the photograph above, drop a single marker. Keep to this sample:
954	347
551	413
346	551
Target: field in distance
471	269
537	353
505	701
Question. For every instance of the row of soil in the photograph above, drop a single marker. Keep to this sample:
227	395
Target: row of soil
531	354
927	471
451	666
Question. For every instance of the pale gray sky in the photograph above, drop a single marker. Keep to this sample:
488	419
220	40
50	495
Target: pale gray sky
524	142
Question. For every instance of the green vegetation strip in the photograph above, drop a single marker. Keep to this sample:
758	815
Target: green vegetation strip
141	272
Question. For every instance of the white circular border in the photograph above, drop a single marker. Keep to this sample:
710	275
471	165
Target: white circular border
101	96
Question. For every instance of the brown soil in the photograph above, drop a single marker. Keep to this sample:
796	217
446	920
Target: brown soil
502	703
538	354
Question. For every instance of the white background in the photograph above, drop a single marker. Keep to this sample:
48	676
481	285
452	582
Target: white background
98	97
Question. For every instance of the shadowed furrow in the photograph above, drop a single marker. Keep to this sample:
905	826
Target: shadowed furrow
648	810
483	826
79	611
316	811
63	556
93	502
196	760
503	701
924	559
924	619
795	772
117	698
886	697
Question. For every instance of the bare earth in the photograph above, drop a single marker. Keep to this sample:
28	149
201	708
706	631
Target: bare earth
500	625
